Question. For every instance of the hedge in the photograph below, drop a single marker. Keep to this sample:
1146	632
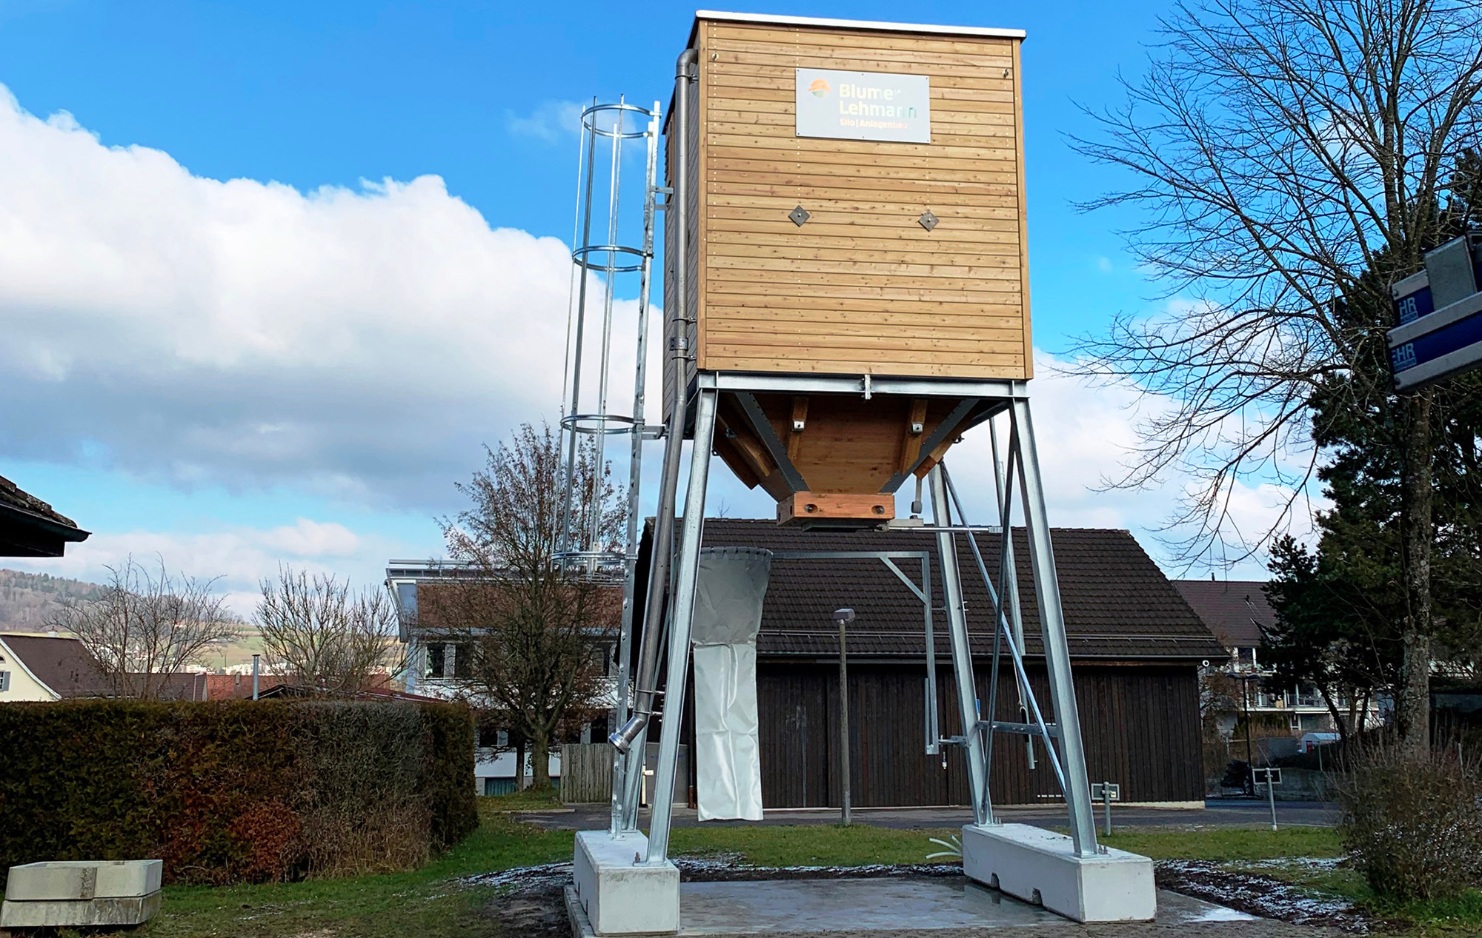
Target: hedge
235	791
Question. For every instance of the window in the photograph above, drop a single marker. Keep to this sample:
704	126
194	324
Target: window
4	681
463	661
406	598
435	658
499	786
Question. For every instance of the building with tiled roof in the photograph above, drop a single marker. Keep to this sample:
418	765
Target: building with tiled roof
52	667
1136	650
1237	612
29	527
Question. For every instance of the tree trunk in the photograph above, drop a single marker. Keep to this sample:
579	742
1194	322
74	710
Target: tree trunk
540	760
520	764
1337	715
1412	709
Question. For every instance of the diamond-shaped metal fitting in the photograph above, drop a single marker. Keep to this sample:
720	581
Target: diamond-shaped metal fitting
928	220
798	215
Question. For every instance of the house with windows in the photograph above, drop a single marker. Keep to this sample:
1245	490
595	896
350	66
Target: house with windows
1236	611
54	667
435	662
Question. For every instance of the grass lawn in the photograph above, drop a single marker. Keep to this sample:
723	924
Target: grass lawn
430	903
531	799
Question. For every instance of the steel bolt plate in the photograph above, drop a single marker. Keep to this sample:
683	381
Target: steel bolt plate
798	215
928	220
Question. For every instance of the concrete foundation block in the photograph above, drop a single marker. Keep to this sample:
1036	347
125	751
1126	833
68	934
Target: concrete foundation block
621	896
83	879
1037	865
59	913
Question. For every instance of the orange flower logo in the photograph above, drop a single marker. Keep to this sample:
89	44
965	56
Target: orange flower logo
819	88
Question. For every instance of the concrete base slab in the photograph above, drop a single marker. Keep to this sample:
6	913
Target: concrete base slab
1041	866
949	905
887	907
84	879
59	913
619	894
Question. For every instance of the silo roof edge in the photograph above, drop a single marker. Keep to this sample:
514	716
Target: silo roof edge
860	24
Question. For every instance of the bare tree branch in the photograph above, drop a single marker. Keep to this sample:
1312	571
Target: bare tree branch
1275	150
318	635
530	630
148	627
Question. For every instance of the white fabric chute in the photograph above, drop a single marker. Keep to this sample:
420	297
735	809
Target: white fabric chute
728	614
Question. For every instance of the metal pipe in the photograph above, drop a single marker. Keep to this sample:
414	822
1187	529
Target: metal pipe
663	542
1052	633
843	617
256	674
635	472
572	449
681	617
1010	574
962	662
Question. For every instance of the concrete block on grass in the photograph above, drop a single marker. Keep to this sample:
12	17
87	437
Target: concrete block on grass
84	879
1037	865
620	894
77	913
70	893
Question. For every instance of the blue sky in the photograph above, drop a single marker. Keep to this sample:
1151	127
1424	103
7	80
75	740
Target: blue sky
309	388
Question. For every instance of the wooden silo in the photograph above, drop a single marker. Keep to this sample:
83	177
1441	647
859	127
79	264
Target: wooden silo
856	214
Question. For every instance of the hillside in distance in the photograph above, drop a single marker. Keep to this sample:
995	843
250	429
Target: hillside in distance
29	600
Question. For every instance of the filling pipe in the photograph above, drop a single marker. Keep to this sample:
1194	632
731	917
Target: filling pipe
634	730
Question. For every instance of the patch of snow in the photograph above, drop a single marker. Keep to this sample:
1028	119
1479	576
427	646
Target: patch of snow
1260	894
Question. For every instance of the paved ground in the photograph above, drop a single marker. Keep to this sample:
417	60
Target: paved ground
915	907
1219	812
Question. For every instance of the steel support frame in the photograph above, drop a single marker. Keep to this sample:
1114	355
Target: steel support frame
1020	463
677	669
1061	736
681	618
1052	632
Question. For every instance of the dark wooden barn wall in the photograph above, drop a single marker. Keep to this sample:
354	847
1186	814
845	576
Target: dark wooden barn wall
1140	724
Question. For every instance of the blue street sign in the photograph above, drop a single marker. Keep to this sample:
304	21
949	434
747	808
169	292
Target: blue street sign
1434	342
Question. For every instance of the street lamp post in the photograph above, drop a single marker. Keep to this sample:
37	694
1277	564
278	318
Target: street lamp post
1250	762
843	617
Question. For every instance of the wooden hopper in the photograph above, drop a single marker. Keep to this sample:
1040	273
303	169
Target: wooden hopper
821	249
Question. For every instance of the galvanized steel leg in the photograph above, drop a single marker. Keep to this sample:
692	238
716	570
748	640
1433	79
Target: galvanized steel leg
962	662
681	618
1010	585
1052	633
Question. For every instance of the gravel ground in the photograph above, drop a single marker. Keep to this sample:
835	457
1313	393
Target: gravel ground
533	904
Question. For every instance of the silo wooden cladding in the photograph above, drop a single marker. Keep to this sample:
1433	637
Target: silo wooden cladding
861	287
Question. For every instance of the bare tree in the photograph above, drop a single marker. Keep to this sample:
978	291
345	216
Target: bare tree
531	633
319	635
147	627
1289	156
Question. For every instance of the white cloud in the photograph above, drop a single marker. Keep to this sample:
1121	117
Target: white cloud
1105	265
1086	435
356	343
238	557
551	122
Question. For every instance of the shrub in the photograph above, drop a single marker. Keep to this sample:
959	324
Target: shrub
1412	825
235	791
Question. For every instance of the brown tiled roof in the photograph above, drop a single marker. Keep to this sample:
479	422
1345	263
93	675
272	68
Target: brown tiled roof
29	527
1118	604
1234	610
62	664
